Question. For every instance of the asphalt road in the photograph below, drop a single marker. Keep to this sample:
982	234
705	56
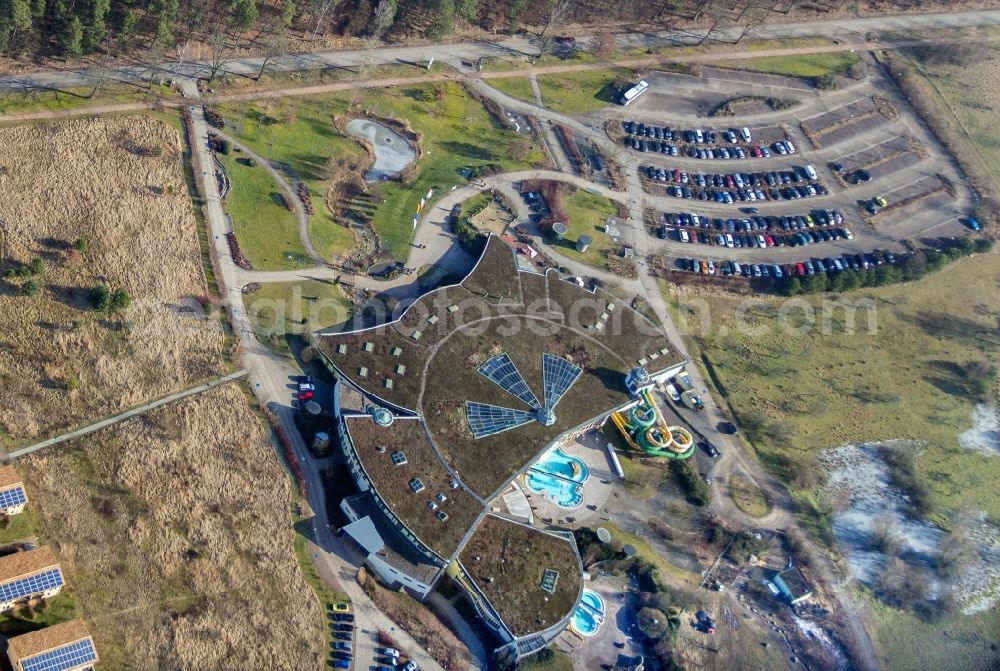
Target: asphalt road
471	51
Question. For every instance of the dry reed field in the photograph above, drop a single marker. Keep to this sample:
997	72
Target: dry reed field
174	531
118	184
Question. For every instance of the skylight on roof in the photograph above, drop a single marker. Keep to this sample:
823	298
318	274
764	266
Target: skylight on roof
416	485
549	579
399	458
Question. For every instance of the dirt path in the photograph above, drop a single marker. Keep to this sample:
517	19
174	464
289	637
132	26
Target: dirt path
128	414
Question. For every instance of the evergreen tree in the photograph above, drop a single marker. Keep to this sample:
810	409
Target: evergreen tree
71	37
96	27
287	11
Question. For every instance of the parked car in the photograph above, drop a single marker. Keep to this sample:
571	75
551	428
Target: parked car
973	224
410	666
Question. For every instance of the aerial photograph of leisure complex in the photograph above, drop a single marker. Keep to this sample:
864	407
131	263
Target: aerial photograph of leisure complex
444	335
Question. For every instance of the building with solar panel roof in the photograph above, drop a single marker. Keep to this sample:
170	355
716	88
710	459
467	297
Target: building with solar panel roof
442	412
28	575
12	495
61	647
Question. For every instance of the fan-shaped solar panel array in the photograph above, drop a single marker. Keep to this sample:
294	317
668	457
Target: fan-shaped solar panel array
485	419
558	375
65	657
502	372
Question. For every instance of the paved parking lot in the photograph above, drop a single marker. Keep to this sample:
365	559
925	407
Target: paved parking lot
868	123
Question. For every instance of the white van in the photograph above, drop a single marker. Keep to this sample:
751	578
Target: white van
746	134
699	136
737	270
789	146
811	171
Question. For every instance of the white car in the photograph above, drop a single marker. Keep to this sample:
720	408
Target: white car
789	146
388	652
848	234
684	235
745	132
672	392
410	666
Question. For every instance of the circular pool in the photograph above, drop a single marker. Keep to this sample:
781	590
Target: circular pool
589	615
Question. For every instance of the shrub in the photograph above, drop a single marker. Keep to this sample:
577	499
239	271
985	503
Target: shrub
691	482
826	83
225	147
103	299
72	384
37	266
30	288
653	623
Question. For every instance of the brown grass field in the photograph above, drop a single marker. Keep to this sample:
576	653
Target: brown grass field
174	532
118	183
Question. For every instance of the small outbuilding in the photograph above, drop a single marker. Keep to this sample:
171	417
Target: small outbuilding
583	243
791	583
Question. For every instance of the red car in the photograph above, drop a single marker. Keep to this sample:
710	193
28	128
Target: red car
755	150
769	240
800	270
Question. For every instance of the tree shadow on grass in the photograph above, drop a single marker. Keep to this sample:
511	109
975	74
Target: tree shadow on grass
608	93
467	150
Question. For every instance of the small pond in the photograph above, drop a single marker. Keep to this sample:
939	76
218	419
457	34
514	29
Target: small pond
392	151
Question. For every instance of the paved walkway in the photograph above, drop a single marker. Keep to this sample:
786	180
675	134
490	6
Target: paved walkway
135	412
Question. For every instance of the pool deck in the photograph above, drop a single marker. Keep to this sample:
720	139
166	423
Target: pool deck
596	490
619	622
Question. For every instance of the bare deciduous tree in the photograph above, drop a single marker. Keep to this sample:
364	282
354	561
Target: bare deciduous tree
558	11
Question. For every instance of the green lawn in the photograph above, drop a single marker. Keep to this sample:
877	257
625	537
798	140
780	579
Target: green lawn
283	308
268	231
645	551
958	643
797	390
748	497
587	214
80	96
19	527
516	87
582	91
56	610
457	135
799	65
300	135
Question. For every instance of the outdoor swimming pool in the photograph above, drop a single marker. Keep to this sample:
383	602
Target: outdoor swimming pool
589	615
558	462
560	492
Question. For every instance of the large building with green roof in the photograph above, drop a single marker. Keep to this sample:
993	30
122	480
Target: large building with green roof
440	411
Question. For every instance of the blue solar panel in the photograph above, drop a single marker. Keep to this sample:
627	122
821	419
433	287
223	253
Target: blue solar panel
501	371
558	375
35	584
66	657
12	497
485	419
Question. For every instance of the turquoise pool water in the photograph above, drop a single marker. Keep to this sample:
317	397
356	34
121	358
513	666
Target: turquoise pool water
558	462
589	615
560	492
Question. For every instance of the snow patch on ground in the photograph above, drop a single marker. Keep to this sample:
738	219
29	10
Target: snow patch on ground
815	631
984	435
861	490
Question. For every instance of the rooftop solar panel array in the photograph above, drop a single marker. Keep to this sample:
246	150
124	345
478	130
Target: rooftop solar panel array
485	419
501	371
12	497
66	657
35	584
558	375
